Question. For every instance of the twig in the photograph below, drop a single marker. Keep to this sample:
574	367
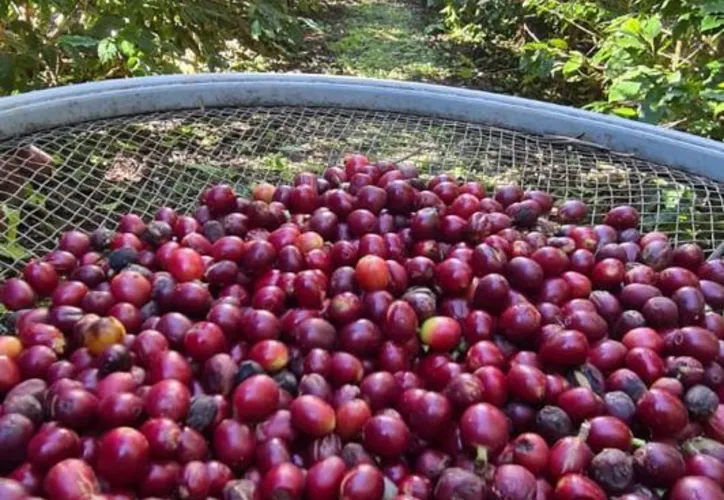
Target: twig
571	22
527	30
718	252
408	156
577	141
677	56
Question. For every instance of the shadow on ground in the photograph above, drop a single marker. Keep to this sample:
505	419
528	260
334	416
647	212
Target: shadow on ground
399	40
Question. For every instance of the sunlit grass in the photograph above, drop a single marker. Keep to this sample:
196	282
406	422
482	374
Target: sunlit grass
387	40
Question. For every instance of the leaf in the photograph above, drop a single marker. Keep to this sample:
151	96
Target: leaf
625	112
127	48
312	25
77	41
719	109
13	251
107	50
623	90
573	64
627	41
713	94
558	43
12	218
33	198
256	29
674	78
651	29
711	23
632	26
133	63
109	207
713	6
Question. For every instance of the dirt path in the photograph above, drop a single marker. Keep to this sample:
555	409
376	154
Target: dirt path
376	38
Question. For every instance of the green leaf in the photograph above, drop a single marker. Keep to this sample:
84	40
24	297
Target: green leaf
558	43
711	23
573	64
713	6
33	198
713	94
109	207
623	90
107	50
632	26
77	41
12	218
256	29
627	41
674	78
13	251
625	112
651	29
312	24
719	109
133	63
127	48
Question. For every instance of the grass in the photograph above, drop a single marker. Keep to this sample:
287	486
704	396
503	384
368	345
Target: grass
387	40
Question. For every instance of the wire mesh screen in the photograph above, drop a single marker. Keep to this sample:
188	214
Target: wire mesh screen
87	174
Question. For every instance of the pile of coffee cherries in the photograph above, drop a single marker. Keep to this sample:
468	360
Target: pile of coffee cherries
365	334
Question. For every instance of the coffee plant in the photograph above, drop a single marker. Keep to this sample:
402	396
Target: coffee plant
659	61
53	42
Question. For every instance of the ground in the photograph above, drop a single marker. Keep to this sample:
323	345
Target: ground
391	39
386	40
398	40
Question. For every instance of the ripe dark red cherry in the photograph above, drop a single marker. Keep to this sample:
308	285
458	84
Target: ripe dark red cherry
484	428
256	398
312	415
385	436
572	211
17	294
185	264
362	482
70	479
41	276
453	276
663	413
365	333
123	455
520	322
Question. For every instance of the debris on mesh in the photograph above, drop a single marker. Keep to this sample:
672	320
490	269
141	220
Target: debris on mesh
124	169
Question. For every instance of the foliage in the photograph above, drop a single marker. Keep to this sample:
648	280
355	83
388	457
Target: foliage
481	20
659	61
52	42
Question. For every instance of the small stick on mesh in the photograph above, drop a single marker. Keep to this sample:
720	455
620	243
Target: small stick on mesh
410	155
718	252
562	139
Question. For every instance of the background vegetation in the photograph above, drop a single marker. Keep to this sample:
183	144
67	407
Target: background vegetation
660	61
53	42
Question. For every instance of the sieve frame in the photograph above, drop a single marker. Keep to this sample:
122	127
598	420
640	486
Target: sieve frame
46	109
